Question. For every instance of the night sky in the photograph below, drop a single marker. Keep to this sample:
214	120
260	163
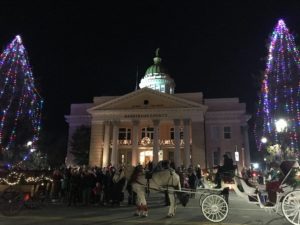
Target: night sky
78	50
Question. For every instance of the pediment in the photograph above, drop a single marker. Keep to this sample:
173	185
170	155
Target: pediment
146	99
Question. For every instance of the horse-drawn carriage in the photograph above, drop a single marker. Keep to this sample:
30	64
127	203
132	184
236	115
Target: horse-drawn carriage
214	202
20	189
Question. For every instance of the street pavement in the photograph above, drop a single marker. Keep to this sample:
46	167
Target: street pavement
240	213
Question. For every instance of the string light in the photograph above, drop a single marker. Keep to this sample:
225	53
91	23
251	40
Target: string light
20	103
15	178
280	90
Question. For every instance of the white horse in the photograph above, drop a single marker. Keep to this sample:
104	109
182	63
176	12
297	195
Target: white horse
164	180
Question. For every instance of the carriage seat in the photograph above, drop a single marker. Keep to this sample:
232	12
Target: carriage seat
274	186
228	175
285	168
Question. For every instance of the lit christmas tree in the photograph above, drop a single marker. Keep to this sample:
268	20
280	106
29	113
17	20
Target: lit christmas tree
280	93
20	103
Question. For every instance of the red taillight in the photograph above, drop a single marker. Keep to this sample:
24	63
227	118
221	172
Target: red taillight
26	197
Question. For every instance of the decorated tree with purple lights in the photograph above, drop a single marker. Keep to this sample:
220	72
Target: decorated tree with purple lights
20	104
280	94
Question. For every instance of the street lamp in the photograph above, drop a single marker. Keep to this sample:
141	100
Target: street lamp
264	140
281	126
29	143
237	157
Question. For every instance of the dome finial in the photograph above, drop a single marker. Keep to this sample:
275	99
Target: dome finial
156	52
157	59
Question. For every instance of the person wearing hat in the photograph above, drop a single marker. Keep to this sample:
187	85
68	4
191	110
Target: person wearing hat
227	166
192	181
228	163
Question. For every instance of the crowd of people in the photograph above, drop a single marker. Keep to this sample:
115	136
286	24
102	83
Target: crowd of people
96	186
86	186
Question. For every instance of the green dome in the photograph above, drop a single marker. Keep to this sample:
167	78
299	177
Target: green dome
157	78
156	68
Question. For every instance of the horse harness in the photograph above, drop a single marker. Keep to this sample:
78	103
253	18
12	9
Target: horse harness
148	176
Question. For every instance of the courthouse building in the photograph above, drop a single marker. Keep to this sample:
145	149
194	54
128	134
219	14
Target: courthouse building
155	123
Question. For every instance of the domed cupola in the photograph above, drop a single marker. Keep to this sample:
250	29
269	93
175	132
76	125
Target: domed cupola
156	77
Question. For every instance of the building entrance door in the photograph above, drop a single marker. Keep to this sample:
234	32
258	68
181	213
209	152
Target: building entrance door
146	157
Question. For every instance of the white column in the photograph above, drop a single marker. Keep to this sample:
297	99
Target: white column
186	136
115	152
135	141
177	142
96	144
155	141
246	151
106	144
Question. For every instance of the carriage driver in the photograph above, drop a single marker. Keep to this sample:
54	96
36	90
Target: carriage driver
227	167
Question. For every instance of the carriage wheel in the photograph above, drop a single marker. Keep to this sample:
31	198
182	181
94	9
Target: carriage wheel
11	201
291	207
214	208
202	197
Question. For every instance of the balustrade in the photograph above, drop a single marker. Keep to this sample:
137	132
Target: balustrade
162	142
